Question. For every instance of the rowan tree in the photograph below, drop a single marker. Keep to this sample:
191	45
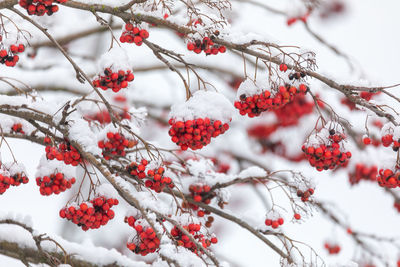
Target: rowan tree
179	133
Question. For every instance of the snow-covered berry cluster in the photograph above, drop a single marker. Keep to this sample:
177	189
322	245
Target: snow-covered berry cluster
332	248
389	178
204	116
56	183
305	194
64	152
133	34
90	215
8	55
114	80
115	145
325	150
7	180
146	240
41	7
207	45
155	178
253	100
194	230
197	133
363	172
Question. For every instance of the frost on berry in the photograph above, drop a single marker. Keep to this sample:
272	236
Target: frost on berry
41	7
90	214
12	174
204	116
134	34
325	149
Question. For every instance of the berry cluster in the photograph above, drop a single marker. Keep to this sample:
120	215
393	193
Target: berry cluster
201	193
104	117
7	180
388	140
254	105
197	133
146	240
194	230
388	178
17	128
207	45
327	155
40	7
305	195
291	113
114	80
371	141
363	172
332	248
274	223
9	57
155	178
54	183
133	34
115	146
65	152
90	215
262	131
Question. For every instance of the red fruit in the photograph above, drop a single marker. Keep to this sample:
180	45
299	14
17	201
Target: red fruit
290	21
283	67
366	140
297	216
